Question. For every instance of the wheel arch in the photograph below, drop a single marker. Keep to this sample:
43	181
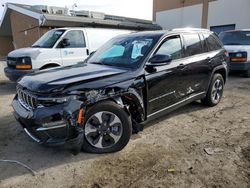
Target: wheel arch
49	65
131	100
220	70
223	73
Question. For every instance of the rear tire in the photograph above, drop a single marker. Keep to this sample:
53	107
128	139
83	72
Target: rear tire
107	128
215	91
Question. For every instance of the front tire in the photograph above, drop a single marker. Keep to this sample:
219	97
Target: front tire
215	91
107	128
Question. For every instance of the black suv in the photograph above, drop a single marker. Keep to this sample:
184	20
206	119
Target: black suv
97	104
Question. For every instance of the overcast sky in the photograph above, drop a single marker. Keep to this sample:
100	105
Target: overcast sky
129	8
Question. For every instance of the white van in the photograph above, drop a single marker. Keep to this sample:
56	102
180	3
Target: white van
237	43
58	47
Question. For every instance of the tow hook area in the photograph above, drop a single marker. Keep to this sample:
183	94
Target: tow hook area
74	115
59	125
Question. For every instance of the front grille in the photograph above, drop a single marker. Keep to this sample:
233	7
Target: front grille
26	99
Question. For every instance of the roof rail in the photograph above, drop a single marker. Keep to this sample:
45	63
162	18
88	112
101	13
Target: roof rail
190	29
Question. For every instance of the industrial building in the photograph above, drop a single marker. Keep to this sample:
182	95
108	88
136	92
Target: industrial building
217	15
21	25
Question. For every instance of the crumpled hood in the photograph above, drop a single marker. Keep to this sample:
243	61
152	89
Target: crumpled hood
58	78
25	52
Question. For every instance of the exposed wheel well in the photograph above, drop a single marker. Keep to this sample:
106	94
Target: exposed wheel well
49	66
223	73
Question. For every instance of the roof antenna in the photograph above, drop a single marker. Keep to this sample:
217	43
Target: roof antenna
74	6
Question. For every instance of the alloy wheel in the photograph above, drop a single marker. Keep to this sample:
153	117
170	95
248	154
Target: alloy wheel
217	91
103	129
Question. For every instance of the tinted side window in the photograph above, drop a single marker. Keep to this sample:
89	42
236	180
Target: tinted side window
171	46
192	44
76	39
212	43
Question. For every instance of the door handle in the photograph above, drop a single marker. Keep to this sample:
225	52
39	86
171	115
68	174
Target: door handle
209	60
181	66
87	51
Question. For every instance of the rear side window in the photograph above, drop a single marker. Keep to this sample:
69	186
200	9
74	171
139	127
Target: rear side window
192	44
212	43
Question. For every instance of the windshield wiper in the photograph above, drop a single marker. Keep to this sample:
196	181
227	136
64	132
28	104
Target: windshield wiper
99	63
36	46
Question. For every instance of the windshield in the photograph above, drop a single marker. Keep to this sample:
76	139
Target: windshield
49	39
235	38
127	51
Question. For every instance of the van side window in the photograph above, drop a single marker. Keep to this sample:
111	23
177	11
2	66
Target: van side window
192	44
171	46
76	39
212	43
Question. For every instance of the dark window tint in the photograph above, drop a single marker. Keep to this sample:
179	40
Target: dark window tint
192	44
212	43
76	39
172	46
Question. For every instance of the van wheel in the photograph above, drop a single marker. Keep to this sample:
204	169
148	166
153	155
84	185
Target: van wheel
107	128
215	91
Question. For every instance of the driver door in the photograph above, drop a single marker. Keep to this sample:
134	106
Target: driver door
76	51
164	81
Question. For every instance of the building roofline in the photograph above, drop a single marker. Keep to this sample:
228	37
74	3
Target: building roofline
58	20
62	20
24	11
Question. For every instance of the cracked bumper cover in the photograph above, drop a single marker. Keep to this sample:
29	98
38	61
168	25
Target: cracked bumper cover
51	126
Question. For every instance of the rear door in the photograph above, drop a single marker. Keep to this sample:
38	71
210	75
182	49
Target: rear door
215	52
77	49
197	70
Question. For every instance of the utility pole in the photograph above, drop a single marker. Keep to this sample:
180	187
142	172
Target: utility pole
204	19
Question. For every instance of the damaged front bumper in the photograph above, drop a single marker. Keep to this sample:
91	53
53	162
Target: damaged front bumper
52	126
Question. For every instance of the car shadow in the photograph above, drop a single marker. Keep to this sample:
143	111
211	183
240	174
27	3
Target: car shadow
16	145
192	107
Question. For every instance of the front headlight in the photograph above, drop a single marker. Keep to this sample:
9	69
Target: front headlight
24	63
64	99
239	55
56	100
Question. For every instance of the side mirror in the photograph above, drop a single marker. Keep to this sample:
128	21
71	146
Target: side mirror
159	60
65	42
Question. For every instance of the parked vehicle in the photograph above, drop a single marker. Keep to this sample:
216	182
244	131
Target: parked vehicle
237	43
131	79
58	47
